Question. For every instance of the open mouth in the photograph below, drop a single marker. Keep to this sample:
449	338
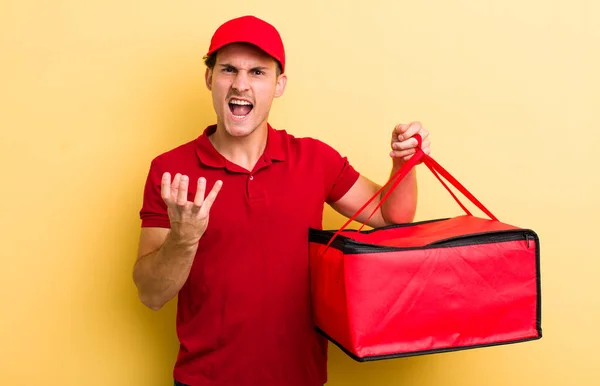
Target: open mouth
240	108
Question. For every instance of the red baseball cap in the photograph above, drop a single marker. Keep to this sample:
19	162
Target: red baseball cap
249	29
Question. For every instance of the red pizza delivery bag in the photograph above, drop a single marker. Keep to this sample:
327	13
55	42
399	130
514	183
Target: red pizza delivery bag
425	287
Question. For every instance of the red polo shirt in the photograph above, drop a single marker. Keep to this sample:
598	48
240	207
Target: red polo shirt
243	316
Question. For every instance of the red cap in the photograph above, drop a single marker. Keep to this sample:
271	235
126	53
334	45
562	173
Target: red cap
250	29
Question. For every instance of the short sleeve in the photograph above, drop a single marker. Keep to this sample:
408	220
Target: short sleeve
340	176
154	210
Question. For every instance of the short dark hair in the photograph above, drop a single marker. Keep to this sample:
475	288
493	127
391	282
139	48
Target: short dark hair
211	60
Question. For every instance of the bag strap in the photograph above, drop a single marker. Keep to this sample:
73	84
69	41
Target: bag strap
448	189
401	173
431	163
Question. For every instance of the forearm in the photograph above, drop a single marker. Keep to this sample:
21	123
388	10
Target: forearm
160	275
400	207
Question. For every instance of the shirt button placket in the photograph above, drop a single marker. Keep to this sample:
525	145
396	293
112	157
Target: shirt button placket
249	187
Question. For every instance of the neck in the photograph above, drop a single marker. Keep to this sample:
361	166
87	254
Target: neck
243	151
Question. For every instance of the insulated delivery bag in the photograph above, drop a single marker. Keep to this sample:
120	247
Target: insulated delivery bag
425	287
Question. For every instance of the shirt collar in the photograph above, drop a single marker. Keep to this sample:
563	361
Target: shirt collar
209	156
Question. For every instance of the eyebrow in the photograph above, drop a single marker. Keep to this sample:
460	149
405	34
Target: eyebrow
262	68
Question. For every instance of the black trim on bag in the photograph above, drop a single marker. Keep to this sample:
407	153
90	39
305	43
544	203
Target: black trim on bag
322	236
401	225
423	352
350	246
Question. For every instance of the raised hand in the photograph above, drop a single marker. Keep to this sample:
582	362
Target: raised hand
189	220
403	143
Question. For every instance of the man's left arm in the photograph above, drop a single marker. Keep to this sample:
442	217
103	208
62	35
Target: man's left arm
401	205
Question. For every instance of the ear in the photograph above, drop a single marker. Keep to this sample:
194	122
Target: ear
280	87
208	78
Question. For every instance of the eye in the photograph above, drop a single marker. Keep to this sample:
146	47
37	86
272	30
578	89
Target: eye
258	72
228	69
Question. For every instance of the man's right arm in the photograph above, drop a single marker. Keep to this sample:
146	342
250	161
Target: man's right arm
162	266
165	256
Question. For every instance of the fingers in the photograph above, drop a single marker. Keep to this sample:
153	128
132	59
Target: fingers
199	198
407	148
175	187
399	129
404	154
403	132
408	130
407	144
182	191
426	147
170	192
176	193
412	143
165	188
403	139
210	199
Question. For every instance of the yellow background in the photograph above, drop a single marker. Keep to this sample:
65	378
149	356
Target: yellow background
90	91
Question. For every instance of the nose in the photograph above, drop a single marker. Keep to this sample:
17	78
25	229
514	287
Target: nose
241	83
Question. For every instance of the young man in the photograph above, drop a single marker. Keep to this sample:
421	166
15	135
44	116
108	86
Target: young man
225	223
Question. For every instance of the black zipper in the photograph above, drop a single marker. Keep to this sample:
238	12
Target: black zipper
323	236
354	247
393	226
484	238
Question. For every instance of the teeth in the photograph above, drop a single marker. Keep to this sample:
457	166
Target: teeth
239	102
239	116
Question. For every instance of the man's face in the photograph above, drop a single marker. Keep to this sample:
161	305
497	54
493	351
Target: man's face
243	82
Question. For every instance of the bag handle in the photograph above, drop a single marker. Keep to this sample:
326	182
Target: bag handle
448	189
431	163
401	173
